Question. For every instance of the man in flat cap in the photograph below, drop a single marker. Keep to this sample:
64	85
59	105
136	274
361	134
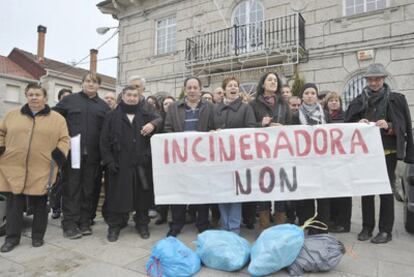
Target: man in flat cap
389	111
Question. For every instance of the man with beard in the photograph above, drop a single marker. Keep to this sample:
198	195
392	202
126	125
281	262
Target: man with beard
126	153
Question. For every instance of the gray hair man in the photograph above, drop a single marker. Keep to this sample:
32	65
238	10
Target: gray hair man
389	111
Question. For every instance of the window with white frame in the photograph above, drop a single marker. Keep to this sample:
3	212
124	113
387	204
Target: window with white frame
165	35
352	7
249	17
12	94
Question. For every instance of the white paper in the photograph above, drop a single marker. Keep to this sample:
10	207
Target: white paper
75	145
333	160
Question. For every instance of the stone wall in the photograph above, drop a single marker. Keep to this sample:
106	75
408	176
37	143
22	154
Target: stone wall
332	42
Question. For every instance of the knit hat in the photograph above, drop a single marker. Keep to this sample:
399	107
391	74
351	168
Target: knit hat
376	70
306	86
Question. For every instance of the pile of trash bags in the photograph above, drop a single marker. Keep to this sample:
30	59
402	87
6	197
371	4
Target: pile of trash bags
278	247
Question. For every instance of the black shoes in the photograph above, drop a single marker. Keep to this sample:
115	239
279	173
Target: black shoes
339	229
173	233
365	234
37	242
8	246
85	230
113	234
72	233
55	214
382	237
143	231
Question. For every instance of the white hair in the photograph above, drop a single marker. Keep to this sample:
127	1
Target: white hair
137	77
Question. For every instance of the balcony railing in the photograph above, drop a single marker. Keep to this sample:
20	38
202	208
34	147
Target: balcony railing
286	32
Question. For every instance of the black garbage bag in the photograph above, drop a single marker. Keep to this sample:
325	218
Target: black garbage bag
319	253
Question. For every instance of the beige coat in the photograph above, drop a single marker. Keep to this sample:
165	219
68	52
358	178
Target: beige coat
25	165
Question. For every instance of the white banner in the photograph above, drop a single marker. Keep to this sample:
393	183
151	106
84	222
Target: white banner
262	164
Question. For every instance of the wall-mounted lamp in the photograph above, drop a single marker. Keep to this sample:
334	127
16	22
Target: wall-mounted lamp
104	30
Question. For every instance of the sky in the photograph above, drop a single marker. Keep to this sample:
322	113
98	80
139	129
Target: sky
71	30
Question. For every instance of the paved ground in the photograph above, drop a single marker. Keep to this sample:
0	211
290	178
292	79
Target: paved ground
95	256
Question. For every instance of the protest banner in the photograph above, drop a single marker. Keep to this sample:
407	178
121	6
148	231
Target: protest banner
262	164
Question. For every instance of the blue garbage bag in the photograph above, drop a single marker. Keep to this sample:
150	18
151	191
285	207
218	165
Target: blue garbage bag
223	250
276	247
171	258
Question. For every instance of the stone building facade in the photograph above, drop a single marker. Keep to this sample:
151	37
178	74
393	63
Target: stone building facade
328	42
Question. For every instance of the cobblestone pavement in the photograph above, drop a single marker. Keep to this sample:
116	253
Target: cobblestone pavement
95	256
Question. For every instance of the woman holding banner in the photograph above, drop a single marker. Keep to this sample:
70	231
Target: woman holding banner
311	113
270	110
340	207
232	113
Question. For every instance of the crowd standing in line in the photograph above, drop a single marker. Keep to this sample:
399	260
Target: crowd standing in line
115	133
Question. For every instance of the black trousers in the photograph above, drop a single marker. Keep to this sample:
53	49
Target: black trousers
386	216
178	216
78	194
15	207
249	212
119	220
215	212
341	211
97	191
305	209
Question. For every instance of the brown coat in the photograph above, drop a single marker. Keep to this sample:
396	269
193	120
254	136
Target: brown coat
28	142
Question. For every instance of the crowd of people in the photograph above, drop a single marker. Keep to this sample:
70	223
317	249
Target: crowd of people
115	150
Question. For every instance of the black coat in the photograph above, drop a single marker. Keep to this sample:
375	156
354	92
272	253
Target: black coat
280	113
122	144
235	115
174	121
398	117
84	116
339	118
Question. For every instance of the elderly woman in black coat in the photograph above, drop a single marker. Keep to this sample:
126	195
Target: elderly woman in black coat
126	153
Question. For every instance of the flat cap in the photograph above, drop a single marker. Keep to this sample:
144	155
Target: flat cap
376	70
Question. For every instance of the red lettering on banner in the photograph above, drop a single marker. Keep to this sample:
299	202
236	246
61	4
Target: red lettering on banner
357	140
285	144
223	155
308	143
166	152
176	152
261	145
196	156
324	148
271	185
245	147
211	143
336	141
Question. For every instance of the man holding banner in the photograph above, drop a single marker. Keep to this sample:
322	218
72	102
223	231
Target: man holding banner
189	115
389	111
